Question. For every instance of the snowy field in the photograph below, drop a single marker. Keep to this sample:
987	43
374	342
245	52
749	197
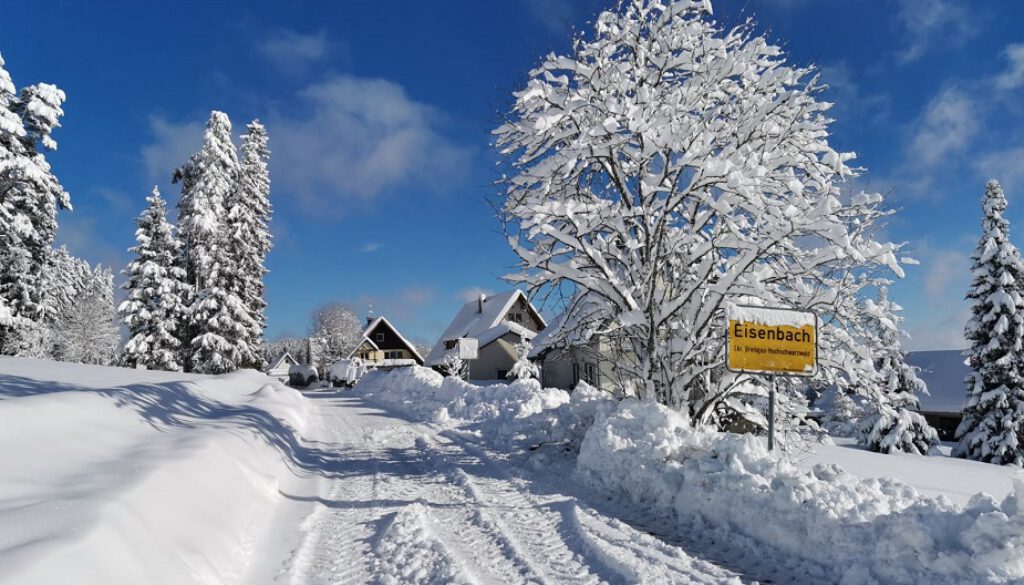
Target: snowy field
121	476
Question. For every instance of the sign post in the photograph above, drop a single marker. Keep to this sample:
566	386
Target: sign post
772	342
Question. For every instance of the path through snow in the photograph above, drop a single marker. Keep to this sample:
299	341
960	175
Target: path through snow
398	503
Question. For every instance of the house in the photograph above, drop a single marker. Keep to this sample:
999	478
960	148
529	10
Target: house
565	360
498	323
383	346
944	371
279	367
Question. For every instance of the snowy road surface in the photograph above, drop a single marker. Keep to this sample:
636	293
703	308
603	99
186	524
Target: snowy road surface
397	503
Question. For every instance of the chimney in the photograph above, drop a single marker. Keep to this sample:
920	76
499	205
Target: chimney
369	319
480	303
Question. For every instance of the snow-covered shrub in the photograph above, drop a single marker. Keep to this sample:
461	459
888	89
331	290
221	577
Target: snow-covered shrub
302	375
524	369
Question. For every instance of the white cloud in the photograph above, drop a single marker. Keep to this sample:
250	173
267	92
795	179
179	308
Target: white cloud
936	319
359	138
929	23
370	247
1013	77
1004	166
949	123
473	293
172	145
946	270
555	15
289	49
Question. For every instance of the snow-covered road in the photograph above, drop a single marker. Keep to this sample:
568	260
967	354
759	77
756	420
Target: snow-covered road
396	502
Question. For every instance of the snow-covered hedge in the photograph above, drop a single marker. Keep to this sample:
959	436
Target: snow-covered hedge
865	531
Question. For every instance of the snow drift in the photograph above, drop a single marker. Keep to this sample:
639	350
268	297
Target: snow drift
853	530
126	476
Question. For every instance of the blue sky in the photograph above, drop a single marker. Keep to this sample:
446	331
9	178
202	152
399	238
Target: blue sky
379	117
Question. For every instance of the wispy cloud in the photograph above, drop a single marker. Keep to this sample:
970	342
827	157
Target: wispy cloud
289	49
370	247
949	124
359	138
931	23
173	143
473	293
1006	167
1013	76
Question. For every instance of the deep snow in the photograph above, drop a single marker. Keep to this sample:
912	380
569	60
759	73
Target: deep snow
123	476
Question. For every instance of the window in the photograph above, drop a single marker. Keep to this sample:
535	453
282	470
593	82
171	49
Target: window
451	343
393	355
502	374
517	318
590	374
380	337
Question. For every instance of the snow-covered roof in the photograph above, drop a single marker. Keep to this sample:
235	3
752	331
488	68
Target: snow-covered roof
282	360
382	320
944	372
485	323
541	341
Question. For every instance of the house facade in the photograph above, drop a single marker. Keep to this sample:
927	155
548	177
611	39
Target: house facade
279	366
383	346
498	323
565	362
944	372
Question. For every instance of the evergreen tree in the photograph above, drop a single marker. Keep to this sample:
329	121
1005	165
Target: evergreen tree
155	308
218	325
248	233
891	426
524	369
30	195
993	416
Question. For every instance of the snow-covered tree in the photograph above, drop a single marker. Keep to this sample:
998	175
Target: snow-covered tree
524	369
992	428
667	167
248	231
157	294
30	195
339	327
891	426
218	324
86	330
454	366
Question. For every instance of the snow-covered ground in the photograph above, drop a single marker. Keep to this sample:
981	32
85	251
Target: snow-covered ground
121	476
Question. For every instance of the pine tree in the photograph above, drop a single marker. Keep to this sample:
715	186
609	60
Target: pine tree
154	311
218	324
993	416
30	195
248	234
891	425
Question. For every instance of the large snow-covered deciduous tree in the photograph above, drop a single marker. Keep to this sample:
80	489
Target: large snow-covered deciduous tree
218	324
339	329
891	397
248	235
992	428
667	167
85	331
157	294
30	196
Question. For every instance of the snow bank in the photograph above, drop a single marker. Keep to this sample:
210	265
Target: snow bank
864	530
115	476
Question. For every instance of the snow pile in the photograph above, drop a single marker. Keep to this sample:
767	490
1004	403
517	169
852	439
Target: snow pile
125	476
865	530
425	394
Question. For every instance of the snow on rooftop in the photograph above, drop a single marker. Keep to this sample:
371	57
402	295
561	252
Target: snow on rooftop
476	318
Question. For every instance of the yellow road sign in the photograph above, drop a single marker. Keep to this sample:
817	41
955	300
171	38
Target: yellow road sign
763	340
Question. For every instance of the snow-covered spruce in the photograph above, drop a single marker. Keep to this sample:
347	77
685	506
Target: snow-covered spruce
248	235
667	167
154	311
891	426
993	416
218	324
523	368
30	196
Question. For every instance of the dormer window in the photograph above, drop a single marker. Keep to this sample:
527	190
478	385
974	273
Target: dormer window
380	337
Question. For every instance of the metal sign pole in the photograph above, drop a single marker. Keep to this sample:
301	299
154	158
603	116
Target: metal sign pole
771	413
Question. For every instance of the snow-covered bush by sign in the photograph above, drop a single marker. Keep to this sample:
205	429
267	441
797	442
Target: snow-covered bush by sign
992	428
302	375
667	167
